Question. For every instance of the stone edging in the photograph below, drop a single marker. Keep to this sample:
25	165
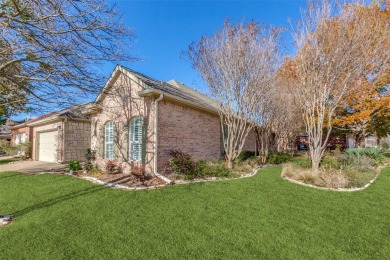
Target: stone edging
251	174
332	189
118	186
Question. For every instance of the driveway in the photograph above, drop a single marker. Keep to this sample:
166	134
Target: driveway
32	167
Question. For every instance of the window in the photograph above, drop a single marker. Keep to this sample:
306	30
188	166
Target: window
109	140
136	139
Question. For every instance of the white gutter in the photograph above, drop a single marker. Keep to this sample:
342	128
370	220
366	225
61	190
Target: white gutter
156	139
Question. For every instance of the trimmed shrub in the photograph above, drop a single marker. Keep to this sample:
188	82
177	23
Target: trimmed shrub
278	158
245	155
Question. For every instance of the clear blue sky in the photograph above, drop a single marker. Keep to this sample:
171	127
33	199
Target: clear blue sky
164	29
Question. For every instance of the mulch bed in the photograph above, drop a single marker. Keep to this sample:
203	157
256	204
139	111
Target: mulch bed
127	180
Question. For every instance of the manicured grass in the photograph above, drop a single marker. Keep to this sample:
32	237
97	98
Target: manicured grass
6	161
264	217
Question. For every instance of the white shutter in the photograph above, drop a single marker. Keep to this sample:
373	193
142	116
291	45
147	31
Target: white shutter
136	139
109	141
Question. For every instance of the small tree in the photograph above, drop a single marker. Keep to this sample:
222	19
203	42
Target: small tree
238	64
333	53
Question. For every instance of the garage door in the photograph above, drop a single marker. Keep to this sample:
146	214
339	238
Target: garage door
47	146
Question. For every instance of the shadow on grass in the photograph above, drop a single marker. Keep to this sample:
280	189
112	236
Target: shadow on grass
5	175
59	199
6	161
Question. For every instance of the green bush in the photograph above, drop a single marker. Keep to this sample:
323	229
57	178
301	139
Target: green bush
217	168
74	165
7	148
330	162
245	155
278	158
373	153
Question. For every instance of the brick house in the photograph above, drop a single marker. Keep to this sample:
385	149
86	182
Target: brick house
137	120
59	136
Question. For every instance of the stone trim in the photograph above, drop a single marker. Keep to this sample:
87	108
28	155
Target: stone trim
332	189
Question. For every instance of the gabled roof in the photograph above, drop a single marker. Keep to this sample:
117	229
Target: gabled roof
173	89
73	112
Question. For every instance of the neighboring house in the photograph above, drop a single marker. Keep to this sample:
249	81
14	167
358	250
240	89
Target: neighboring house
59	136
5	130
369	142
137	120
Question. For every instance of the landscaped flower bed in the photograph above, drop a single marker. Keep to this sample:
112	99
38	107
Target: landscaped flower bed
123	179
353	169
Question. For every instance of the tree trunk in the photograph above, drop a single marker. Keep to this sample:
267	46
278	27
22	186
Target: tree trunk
229	163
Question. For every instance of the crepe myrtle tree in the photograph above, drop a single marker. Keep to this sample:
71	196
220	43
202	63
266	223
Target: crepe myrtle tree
335	47
52	50
237	63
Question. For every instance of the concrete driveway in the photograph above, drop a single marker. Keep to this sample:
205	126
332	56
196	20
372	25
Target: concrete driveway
32	167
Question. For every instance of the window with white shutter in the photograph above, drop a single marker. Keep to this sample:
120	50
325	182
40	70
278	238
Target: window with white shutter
136	139
109	140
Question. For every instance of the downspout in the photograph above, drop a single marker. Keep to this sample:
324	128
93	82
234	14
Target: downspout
156	139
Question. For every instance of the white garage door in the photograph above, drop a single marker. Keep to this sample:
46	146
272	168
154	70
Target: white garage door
48	146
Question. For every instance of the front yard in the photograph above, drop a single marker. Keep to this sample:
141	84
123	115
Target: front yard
262	217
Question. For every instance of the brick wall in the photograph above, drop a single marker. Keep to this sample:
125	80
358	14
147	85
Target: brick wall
187	129
77	139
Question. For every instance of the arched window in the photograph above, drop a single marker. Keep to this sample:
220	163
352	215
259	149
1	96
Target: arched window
109	140
136	139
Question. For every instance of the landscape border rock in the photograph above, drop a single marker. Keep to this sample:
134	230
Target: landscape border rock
332	189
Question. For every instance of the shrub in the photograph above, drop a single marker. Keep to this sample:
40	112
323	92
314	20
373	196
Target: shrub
74	165
373	153
110	166
278	158
181	163
245	155
332	178
7	148
358	162
217	168
94	170
138	170
25	149
200	168
331	162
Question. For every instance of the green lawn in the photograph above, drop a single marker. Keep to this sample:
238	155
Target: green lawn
264	217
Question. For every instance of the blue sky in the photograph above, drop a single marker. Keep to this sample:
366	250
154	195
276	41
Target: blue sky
164	29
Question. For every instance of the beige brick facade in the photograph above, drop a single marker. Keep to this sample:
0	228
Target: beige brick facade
179	127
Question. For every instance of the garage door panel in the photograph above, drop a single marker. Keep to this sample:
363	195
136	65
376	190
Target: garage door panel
48	143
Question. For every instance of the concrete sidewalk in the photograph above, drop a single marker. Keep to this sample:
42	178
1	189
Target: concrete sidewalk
31	166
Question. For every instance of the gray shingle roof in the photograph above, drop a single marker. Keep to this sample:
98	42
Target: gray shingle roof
177	89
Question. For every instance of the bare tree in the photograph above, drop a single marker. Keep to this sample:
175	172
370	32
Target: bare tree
238	64
58	47
336	46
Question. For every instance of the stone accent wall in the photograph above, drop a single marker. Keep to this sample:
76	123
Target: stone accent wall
77	140
58	126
